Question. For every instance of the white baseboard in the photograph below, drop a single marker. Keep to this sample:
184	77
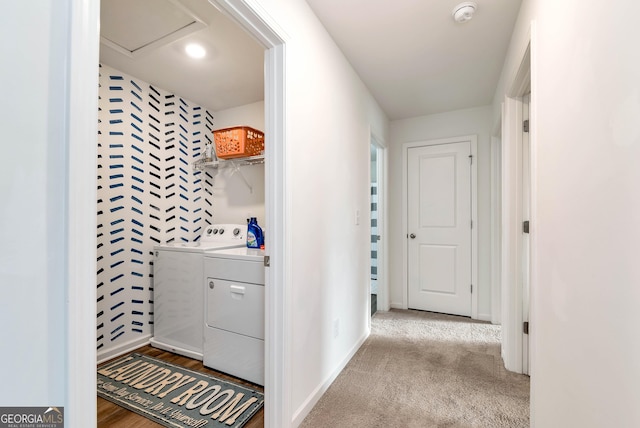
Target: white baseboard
108	354
317	393
484	317
481	317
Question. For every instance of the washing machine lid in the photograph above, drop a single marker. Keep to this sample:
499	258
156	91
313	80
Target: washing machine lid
178	246
197	246
239	253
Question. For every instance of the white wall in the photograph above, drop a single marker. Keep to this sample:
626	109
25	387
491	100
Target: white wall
233	200
584	368
33	254
473	121
248	115
148	194
330	115
586	280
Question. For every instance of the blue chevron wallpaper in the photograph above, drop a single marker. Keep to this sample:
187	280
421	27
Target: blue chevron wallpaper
148	193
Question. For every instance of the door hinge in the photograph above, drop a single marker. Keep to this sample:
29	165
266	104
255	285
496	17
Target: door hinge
525	226
525	327
471	288
525	126
471	224
470	159
267	261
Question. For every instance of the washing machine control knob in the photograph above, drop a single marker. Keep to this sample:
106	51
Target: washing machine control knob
236	231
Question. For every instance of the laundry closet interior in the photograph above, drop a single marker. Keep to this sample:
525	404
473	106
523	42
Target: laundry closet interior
172	217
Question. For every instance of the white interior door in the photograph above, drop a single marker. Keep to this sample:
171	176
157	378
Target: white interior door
439	228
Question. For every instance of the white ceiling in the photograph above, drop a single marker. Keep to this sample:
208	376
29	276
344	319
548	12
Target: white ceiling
411	54
146	39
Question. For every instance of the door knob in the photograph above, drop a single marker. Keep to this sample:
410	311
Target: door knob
412	236
211	285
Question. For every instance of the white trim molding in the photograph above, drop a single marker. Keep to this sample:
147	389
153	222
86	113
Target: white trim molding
513	297
251	16
511	226
382	155
81	187
533	241
473	143
82	126
317	393
496	291
124	348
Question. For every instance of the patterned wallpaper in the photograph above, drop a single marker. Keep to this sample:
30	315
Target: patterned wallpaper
148	193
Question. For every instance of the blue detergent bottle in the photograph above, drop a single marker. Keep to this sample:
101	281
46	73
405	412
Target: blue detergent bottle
255	238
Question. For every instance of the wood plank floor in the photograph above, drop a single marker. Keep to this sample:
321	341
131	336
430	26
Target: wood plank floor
112	415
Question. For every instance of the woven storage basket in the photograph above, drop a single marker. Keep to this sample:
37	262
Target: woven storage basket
238	142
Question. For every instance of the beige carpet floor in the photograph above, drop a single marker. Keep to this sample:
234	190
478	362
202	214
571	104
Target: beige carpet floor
421	370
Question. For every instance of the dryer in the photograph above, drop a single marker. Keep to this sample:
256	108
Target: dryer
178	297
234	312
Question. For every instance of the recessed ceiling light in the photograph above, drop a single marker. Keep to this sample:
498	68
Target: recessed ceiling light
195	51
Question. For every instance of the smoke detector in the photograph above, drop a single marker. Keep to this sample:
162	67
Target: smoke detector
464	11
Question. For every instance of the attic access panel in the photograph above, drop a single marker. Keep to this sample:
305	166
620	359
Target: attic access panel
140	26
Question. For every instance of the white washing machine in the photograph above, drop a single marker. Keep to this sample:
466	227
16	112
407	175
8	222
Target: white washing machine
234	312
177	288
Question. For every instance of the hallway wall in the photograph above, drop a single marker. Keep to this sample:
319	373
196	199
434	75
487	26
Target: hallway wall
34	275
473	121
585	229
330	116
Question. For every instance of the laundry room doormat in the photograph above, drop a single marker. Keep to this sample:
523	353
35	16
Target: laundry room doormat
174	396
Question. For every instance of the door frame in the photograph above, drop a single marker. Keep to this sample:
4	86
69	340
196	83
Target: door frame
80	228
496	230
473	143
513	314
254	19
511	230
525	241
383	243
84	24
